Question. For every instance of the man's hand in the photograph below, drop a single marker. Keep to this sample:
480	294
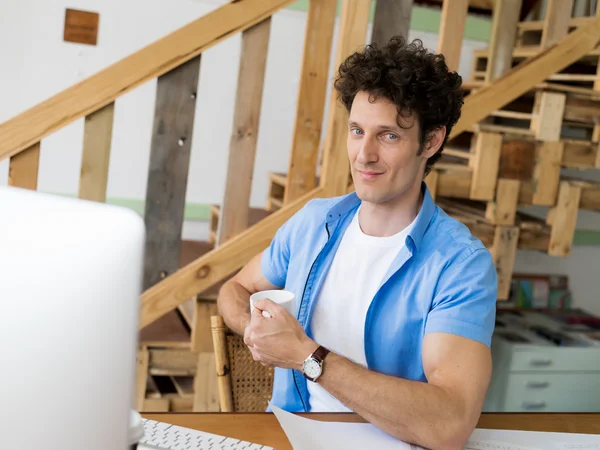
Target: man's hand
278	340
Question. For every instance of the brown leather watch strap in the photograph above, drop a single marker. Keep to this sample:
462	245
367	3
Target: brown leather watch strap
320	353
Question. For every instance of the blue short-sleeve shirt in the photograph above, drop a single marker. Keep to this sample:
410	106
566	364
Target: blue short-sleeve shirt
443	280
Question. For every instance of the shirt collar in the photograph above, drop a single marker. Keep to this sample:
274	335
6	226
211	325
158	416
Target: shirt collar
351	201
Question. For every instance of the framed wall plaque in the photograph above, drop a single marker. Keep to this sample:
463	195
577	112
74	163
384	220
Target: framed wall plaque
81	27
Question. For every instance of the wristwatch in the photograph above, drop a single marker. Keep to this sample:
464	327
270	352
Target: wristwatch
312	367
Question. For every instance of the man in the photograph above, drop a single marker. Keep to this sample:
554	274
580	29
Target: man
395	299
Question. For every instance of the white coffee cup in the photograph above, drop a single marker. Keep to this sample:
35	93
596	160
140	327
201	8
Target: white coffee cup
284	298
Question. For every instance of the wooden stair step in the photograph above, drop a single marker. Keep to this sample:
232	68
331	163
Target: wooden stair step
451	167
538	25
191	250
169	328
457	153
529	51
255	214
514	131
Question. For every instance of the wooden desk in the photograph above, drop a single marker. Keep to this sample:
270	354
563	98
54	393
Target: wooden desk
264	429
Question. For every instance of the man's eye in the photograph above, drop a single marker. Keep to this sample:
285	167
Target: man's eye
391	136
356	131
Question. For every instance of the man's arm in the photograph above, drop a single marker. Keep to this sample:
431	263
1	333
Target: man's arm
438	414
233	300
456	361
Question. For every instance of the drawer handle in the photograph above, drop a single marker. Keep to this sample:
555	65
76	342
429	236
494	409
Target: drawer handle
541	362
533	405
537	384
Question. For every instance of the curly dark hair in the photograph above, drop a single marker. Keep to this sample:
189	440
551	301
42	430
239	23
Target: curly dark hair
415	79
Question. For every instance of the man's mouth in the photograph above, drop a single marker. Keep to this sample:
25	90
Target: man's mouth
369	174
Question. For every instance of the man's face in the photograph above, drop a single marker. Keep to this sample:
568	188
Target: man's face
384	158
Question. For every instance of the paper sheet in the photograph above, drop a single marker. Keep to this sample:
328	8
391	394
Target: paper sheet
495	445
541	440
307	434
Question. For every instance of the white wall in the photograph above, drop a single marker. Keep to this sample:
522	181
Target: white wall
35	63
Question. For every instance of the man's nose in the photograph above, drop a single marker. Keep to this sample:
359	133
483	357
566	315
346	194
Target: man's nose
368	151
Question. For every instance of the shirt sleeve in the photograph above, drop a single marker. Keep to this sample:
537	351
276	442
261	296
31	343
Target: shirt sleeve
465	300
276	257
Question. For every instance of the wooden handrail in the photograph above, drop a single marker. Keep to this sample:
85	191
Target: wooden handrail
221	262
97	91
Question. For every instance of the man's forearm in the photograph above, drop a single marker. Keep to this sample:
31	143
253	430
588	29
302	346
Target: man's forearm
234	306
412	411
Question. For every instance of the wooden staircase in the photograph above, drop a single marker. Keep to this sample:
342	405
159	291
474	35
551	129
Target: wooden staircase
478	181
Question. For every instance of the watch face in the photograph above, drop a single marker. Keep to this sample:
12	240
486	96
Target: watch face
312	368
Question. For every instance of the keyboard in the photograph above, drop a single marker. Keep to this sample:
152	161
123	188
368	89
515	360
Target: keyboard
163	436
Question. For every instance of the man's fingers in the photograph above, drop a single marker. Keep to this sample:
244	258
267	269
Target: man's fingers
268	306
255	355
247	339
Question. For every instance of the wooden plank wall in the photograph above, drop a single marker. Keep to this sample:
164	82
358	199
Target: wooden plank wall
167	181
242	150
314	78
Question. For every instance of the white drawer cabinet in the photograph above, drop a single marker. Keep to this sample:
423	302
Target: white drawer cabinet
539	392
537	375
567	359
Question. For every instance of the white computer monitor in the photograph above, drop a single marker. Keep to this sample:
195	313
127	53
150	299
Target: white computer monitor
70	282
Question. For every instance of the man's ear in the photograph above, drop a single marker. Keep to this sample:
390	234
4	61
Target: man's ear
434	142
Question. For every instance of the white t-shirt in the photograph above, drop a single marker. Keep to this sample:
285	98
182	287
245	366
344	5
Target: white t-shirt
338	320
